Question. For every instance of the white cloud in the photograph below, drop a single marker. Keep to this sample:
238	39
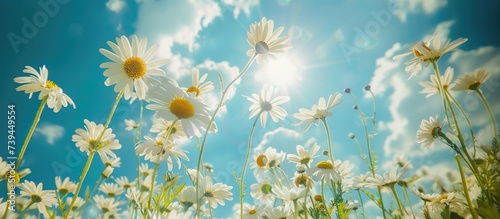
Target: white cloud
405	7
174	21
51	132
241	5
116	6
271	136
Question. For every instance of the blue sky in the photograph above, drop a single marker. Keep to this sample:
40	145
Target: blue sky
336	44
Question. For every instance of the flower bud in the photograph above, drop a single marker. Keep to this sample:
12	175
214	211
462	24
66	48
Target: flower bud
347	90
107	172
351	135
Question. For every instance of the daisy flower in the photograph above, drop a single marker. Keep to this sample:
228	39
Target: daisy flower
262	191
199	87
88	140
111	189
304	157
268	159
302	179
429	131
144	170
66	186
39	197
78	203
280	212
124	182
216	193
158	150
390	178
251	211
263	104
428	51
309	116
131	66
131	124
472	81
172	103
432	87
38	82
344	169
108	206
266	42
111	162
187	197
325	170
138	197
289	194
161	126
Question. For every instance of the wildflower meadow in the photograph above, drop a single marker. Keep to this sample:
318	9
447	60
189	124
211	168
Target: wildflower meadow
155	140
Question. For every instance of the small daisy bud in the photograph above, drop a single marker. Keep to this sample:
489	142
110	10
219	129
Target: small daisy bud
351	135
318	198
301	169
367	87
107	172
355	107
347	90
325	153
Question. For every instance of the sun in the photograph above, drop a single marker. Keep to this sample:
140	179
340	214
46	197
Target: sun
282	71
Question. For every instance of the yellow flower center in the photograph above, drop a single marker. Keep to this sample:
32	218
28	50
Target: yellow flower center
441	197
261	160
181	108
194	89
159	144
324	165
417	53
318	198
252	211
134	67
50	84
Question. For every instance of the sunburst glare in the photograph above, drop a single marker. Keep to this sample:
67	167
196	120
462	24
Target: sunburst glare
282	72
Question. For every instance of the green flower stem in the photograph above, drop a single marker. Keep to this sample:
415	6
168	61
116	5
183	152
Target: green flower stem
80	182
30	133
217	109
242	179
461	139
401	209
327	130
441	90
490	113
24	210
374	119
97	184
117	100
466	190
59	202
284	176
138	139
407	197
372	164
276	177
295	209
447	212
466	118
362	204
